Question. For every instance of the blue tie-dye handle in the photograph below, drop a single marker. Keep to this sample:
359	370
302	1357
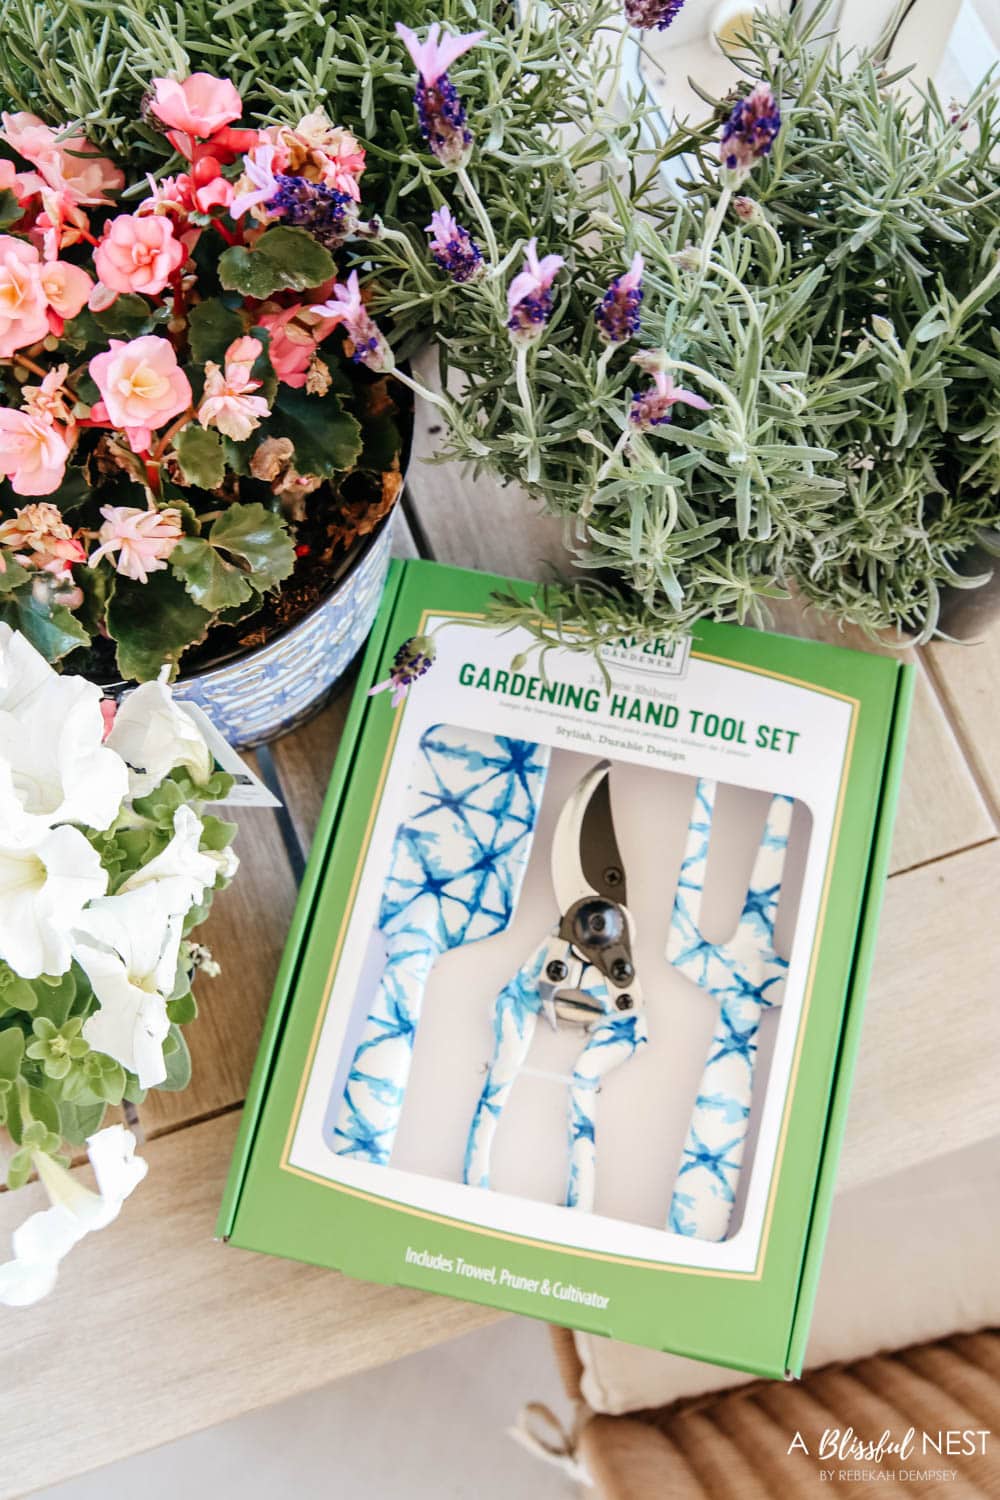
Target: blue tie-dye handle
746	976
376	1084
609	1044
458	859
514	1017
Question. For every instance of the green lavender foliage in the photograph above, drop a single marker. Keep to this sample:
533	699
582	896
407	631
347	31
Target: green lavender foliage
846	340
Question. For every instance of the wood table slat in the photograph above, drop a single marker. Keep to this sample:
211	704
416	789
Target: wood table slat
304	761
941	808
188	1332
925	1083
968	678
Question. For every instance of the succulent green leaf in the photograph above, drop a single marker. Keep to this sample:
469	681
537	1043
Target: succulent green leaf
183	1009
178	1062
78	1121
11	1052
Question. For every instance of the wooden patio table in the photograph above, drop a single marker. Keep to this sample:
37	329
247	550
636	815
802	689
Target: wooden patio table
155	1330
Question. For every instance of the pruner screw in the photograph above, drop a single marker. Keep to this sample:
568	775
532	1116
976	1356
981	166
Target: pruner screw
612	876
623	1002
556	970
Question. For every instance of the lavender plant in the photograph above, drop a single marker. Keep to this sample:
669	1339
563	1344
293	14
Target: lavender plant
784	377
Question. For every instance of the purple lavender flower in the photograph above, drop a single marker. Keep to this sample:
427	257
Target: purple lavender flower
329	216
750	131
529	296
453	247
652	13
439	109
411	661
654	406
347	307
617	317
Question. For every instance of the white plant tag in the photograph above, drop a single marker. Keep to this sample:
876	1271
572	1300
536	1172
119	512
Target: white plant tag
249	790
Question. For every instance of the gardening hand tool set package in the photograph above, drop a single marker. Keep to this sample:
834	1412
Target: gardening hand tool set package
569	1008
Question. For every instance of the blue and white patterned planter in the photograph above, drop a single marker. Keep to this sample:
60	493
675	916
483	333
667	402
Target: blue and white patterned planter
272	689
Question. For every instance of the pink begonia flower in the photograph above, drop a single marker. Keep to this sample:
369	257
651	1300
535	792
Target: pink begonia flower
167	195
33	451
29	136
296	333
341	161
24	185
138	254
436	55
69	163
23	318
228	403
346	306
66	288
51	397
199	105
141	386
62	222
143	539
181	194
258	182
218	192
40	538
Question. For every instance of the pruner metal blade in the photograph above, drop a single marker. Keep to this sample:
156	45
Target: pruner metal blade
595	926
585	857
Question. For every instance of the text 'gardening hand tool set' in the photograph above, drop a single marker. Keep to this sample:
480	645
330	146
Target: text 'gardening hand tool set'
455	876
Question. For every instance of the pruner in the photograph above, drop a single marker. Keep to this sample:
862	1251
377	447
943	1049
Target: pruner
582	975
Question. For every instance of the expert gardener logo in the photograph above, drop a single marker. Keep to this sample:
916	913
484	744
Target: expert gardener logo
871	1459
666	658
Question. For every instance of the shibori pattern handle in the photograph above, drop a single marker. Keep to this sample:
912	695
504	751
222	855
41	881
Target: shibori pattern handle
608	1046
515	1016
745	976
455	873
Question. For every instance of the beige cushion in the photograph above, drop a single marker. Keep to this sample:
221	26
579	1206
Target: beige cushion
909	1258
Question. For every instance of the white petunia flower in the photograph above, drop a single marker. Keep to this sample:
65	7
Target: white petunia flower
182	872
43	890
53	767
40	1243
24	672
154	734
128	947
